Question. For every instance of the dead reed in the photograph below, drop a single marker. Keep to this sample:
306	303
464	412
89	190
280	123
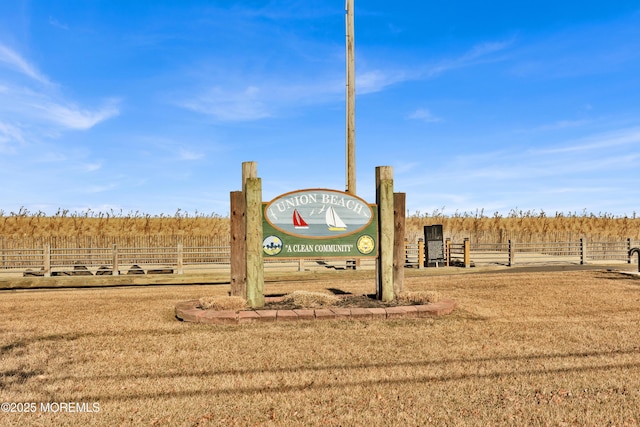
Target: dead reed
527	226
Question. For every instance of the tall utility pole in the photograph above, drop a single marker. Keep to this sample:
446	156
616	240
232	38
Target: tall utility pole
351	102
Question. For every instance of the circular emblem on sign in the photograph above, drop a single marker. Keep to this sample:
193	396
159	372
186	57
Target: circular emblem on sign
365	244
272	245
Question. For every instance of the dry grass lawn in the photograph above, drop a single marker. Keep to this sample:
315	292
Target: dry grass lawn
521	349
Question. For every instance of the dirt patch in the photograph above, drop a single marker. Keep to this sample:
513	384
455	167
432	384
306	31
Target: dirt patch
345	301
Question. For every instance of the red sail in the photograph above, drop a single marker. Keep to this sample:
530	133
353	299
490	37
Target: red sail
298	222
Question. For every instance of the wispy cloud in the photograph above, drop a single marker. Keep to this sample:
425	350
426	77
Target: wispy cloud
71	116
562	124
190	155
54	22
230	101
10	133
226	105
36	108
16	62
424	115
569	173
603	141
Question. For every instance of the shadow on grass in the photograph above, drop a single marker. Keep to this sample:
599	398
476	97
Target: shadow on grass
367	383
528	369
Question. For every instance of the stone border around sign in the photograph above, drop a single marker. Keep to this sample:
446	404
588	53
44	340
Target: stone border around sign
188	311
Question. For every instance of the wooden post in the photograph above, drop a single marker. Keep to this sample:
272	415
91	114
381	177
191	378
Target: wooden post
46	261
351	100
512	253
628	250
238	260
421	253
447	252
249	170
467	253
400	248
384	199
180	258
301	264
583	251
255	264
114	263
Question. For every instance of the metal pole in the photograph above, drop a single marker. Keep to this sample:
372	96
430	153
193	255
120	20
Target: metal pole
351	101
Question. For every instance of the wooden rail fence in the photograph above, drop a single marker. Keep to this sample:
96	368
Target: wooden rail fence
173	256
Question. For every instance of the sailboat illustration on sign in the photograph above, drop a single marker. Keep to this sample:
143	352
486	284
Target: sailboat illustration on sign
333	220
298	222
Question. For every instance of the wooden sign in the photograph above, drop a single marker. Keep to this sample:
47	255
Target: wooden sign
319	223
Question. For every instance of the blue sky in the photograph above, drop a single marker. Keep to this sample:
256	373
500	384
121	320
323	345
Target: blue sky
152	106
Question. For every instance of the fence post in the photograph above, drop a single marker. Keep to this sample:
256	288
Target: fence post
116	269
447	251
628	250
301	264
512	252
421	253
180	260
46	254
467	252
583	251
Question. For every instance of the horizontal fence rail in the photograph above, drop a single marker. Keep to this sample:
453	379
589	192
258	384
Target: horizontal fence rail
170	255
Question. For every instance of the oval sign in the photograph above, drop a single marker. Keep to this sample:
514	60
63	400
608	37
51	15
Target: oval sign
318	213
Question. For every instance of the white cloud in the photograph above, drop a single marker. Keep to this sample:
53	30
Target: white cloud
34	108
424	115
596	142
230	100
92	167
10	133
190	155
16	62
54	22
582	173
224	105
73	117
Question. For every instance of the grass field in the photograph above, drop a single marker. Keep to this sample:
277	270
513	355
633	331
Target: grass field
554	348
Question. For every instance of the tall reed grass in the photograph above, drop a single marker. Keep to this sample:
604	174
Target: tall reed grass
526	226
24	224
522	226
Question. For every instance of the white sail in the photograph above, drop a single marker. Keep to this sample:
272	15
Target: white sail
334	222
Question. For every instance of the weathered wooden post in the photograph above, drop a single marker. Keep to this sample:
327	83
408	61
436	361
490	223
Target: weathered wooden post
115	267
46	254
400	249
180	258
447	252
253	250
512	252
421	249
467	252
238	258
384	200
583	251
